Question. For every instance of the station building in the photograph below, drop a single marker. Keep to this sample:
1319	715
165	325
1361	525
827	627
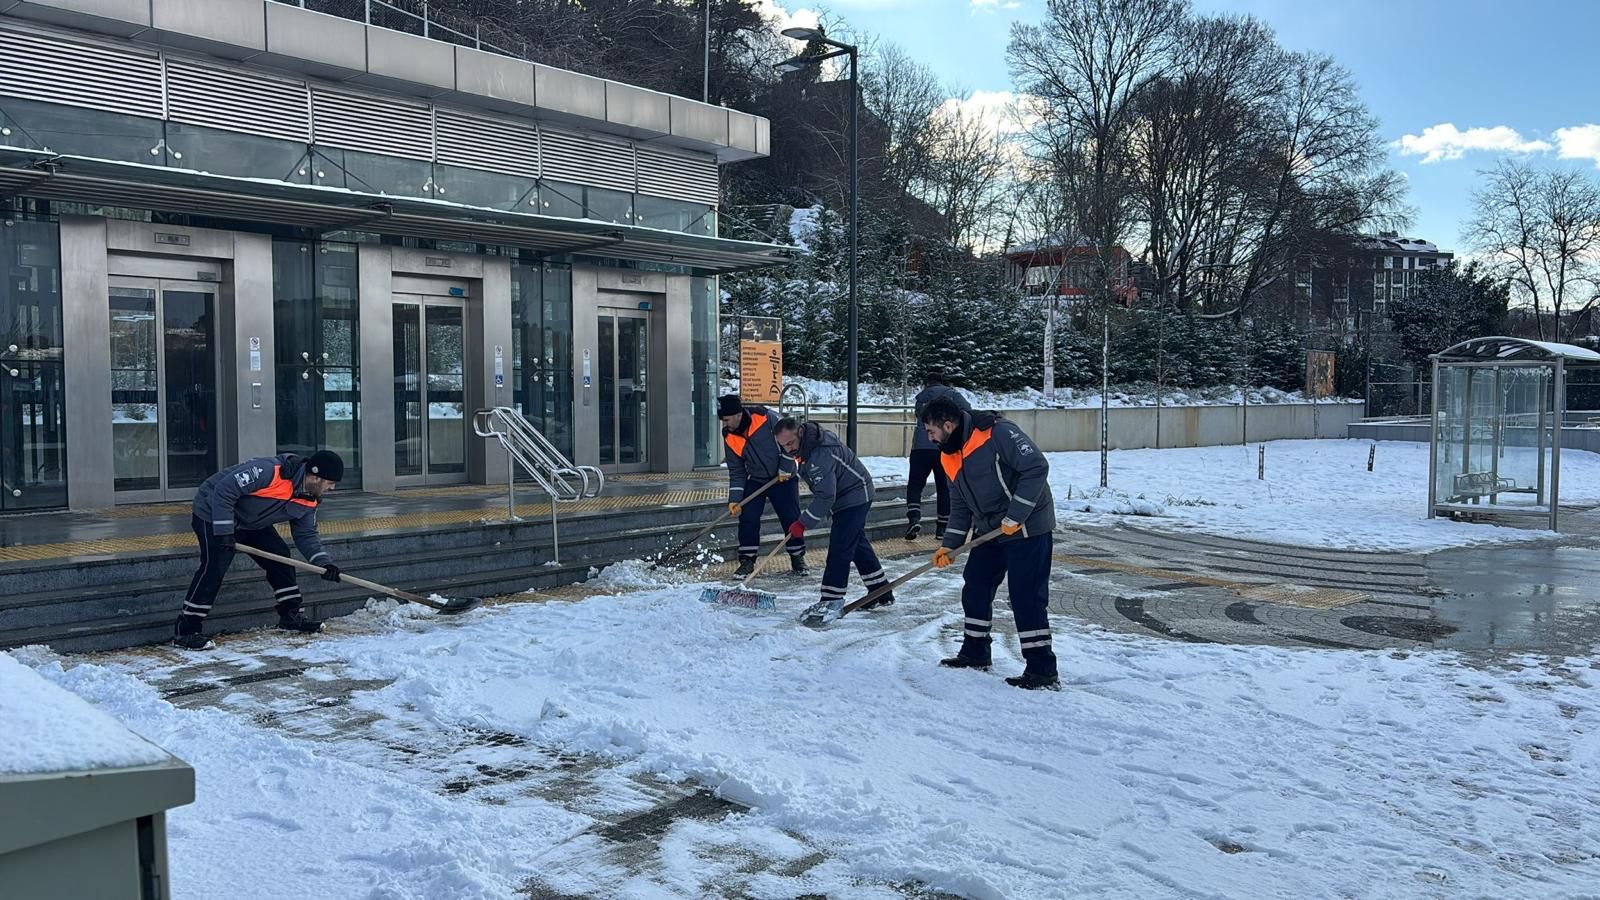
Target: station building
240	227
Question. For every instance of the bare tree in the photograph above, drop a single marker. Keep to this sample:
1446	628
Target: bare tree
901	96
1540	229
967	163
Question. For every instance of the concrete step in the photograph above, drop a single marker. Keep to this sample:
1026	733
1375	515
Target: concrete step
137	611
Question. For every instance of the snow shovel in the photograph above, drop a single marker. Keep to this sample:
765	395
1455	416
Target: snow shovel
742	595
715	522
821	613
450	607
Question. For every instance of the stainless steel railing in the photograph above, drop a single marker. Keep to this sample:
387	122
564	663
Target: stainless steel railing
549	468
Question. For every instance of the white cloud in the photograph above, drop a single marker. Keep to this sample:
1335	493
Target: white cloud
1445	141
989	6
998	110
1579	142
783	18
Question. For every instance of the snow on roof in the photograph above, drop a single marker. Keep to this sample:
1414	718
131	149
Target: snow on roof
1393	242
50	729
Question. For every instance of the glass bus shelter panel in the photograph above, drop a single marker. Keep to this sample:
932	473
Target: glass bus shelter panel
1494	436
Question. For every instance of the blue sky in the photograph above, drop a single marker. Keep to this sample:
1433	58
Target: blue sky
1490	78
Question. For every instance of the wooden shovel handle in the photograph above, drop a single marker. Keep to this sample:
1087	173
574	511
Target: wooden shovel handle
715	522
373	586
873	595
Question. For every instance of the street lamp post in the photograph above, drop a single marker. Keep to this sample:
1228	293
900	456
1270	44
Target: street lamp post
796	64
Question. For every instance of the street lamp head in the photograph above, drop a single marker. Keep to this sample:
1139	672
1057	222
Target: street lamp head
803	34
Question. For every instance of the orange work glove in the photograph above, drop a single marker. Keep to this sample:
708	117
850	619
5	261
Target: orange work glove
1009	526
734	508
942	557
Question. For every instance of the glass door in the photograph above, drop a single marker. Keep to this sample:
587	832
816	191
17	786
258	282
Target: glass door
430	398
33	422
163	387
624	338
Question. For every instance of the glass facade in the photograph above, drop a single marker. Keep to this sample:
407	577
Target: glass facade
316	335
541	348
33	420
704	347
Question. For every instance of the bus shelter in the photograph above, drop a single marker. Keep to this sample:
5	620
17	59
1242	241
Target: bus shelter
1499	404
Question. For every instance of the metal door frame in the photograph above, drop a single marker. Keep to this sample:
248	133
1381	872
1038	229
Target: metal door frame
422	302
163	493
616	389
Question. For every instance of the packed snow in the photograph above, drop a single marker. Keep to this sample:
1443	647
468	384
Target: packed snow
836	393
1315	493
1162	769
49	729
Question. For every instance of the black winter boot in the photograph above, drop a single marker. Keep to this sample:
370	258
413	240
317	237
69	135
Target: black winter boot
974	654
293	618
1036	681
885	600
747	564
187	635
797	565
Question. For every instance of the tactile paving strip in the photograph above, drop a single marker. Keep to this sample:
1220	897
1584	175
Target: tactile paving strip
488	513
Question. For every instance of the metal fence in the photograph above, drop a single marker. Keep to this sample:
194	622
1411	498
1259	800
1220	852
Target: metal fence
417	17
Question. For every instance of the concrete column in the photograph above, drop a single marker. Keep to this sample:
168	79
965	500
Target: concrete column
374	267
256	396
86	348
585	339
489	328
672	377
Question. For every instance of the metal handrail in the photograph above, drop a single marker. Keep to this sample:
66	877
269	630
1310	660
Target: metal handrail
526	446
805	399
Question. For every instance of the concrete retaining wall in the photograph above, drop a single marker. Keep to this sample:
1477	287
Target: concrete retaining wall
889	434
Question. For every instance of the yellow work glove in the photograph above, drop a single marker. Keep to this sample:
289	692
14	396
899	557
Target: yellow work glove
942	557
733	509
1009	526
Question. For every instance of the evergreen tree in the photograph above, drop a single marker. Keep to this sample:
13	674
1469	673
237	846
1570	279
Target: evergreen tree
1451	305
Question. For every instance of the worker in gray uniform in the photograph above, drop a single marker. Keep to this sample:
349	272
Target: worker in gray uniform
925	460
998	479
841	490
753	459
240	505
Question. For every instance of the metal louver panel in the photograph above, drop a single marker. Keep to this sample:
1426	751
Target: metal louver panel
237	101
565	156
49	69
678	177
480	143
372	124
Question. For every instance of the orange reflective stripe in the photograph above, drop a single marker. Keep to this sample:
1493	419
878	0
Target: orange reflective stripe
281	488
737	441
952	461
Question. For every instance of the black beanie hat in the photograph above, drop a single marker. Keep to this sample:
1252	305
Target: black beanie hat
729	405
325	464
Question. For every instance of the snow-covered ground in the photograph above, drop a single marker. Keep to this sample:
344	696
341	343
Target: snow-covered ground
1316	493
1163	769
830	393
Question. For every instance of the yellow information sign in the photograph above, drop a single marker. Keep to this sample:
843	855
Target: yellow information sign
761	360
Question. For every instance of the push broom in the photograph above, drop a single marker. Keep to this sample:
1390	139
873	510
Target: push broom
743	595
